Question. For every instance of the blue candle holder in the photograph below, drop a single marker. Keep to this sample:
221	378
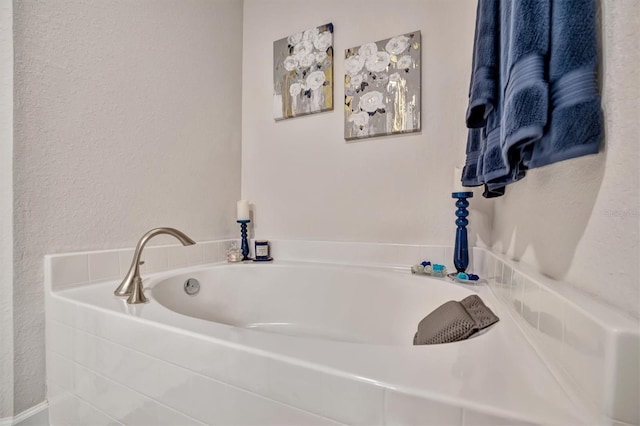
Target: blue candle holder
245	243
461	251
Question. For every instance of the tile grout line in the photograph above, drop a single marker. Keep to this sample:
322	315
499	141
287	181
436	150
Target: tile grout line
559	373
89	278
87	402
188	370
385	398
130	389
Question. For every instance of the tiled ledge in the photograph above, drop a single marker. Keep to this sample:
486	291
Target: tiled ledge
353	253
591	349
74	269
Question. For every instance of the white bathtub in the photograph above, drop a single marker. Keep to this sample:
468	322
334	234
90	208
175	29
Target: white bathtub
351	305
290	343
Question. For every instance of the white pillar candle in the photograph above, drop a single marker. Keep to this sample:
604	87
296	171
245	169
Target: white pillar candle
243	210
457	181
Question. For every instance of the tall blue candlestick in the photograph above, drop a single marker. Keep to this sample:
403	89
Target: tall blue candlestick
245	243
461	251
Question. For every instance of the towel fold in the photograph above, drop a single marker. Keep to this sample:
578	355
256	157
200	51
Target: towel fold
484	88
485	82
516	119
576	127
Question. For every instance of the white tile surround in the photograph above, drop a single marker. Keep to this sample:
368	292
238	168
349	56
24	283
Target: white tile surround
591	350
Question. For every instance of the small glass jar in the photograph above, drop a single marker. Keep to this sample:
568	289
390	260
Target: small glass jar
234	254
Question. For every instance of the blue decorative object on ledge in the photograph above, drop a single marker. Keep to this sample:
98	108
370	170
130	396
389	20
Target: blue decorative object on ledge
461	251
245	243
462	276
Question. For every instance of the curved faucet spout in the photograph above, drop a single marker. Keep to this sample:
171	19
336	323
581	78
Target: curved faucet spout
132	284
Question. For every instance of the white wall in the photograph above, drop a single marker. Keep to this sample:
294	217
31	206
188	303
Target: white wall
127	117
6	209
307	182
578	220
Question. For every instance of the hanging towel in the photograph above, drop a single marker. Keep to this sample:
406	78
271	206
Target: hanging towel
523	105
515	120
576	119
515	115
484	88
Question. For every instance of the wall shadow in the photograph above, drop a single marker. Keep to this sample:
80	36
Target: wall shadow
549	211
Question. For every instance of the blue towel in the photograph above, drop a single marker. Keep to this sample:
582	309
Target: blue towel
576	120
515	120
484	87
517	36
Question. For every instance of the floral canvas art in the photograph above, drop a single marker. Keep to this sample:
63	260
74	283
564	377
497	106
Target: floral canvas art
382	87
303	73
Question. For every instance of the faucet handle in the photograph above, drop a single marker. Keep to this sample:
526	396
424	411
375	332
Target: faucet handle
137	295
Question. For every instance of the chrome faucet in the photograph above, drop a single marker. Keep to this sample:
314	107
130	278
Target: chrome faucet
132	284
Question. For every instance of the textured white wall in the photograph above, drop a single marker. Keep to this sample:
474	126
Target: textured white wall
6	209
307	182
127	117
578	220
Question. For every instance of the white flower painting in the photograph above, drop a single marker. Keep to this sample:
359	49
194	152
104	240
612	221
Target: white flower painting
382	86
303	73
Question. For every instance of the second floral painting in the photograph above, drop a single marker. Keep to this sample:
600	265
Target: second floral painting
382	87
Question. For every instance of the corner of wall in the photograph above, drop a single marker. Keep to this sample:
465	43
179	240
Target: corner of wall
6	209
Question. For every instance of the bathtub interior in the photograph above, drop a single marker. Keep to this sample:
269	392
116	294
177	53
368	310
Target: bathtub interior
332	303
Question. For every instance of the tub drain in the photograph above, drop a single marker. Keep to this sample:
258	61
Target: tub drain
191	286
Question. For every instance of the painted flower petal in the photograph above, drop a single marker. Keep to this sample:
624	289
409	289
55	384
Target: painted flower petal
308	60
404	62
323	41
290	63
315	80
321	57
356	80
353	64
311	35
360	119
371	101
394	77
367	50
295	89
397	45
294	39
302	49
378	62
